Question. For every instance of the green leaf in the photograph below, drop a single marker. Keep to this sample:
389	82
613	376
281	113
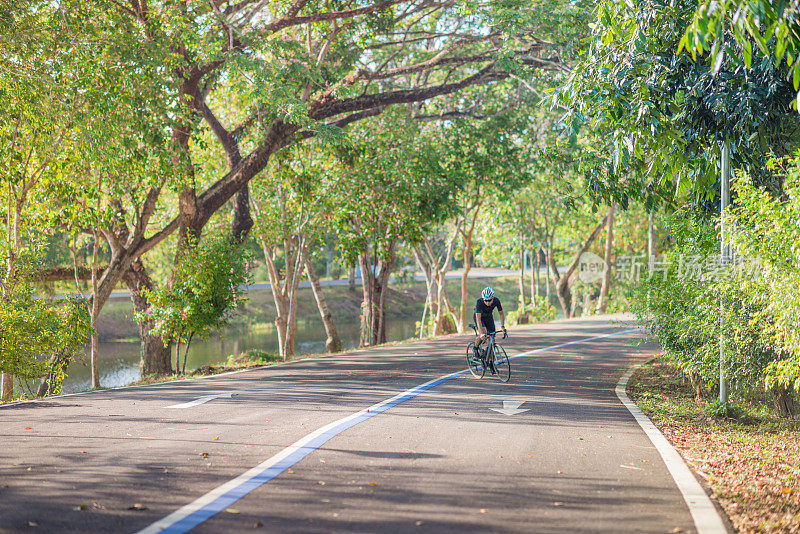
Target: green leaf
747	52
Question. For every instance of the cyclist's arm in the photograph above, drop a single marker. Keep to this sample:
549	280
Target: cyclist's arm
479	324
502	318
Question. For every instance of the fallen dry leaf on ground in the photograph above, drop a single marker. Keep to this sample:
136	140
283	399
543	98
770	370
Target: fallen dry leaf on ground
753	472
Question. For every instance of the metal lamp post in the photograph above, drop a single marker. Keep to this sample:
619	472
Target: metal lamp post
724	260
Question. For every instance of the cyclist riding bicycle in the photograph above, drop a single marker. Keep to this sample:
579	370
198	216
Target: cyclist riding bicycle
484	316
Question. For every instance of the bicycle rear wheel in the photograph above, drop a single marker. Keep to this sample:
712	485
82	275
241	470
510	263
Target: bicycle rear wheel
501	364
475	366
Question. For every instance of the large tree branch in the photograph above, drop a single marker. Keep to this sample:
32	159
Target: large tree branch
296	7
234	8
293	20
341	123
226	139
279	134
243	126
60	274
438	59
331	108
145	245
220	192
124	8
148	209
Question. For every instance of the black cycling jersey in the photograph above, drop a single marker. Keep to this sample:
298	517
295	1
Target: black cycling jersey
486	311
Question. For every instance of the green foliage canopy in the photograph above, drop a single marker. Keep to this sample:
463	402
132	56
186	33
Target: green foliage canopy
665	114
770	27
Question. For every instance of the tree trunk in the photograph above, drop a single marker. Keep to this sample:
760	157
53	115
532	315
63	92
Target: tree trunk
587	301
15	232
575	304
291	284
381	290
58	363
242	219
535	278
562	281
367	308
94	312
178	353
278	298
547	272
553	270
785	402
425	312
602	301
94	357
467	255
651	237
444	317
154	354
444	323
332	343
522	277
6	386
427	270
697	384
186	352
373	317
351	278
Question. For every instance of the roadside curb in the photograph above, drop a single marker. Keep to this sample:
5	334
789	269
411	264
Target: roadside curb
704	513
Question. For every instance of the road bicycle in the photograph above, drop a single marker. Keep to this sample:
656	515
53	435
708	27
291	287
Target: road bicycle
492	357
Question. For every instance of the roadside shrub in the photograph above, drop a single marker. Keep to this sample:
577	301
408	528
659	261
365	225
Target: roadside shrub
538	311
38	338
206	290
768	231
255	355
754	306
692	302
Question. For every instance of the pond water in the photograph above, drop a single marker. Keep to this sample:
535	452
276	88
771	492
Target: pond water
119	361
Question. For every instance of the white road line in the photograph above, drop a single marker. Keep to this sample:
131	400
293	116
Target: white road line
216	500
202	400
705	515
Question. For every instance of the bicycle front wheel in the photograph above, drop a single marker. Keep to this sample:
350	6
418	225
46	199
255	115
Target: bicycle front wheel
501	364
475	366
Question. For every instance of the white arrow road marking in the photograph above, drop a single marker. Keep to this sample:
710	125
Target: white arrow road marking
221	497
510	407
202	400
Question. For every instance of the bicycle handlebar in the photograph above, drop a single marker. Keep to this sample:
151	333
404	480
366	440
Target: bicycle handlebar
475	327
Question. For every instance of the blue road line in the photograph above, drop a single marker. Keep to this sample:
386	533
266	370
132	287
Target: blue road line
195	513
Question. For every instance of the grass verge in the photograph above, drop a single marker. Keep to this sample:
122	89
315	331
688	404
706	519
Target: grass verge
245	360
750	461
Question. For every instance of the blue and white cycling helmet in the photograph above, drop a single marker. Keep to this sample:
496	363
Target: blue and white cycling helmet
487	293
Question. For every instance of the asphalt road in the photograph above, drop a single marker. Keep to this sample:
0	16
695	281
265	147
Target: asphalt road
443	461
